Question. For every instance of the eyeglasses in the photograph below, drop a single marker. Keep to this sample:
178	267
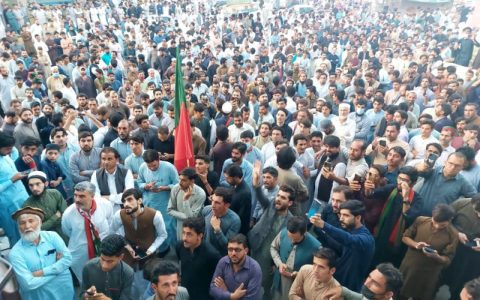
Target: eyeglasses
236	250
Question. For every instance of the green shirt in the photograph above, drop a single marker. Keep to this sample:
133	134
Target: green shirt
50	202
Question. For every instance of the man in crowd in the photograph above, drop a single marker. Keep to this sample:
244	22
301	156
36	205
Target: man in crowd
84	162
315	280
165	280
358	245
50	201
111	179
198	259
40	259
237	275
109	274
85	223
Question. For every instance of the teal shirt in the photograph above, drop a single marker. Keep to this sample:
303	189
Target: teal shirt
56	282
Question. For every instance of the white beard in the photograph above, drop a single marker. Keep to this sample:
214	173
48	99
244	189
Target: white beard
31	236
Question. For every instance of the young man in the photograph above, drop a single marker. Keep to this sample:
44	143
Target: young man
242	196
383	283
358	245
186	199
108	274
48	200
144	231
165	281
287	261
206	179
237	274
313	281
197	258
84	162
111	180
221	222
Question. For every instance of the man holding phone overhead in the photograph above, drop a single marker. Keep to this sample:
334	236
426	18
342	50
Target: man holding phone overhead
378	149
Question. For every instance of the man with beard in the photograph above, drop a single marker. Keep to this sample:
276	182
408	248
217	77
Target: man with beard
332	166
85	222
121	142
40	259
12	190
237	275
470	114
45	123
239	150
358	245
274	218
84	162
25	129
50	201
197	258
383	283
108	274
144	231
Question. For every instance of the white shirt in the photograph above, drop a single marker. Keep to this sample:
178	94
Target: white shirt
359	167
73	225
419	144
234	132
160	231
115	196
345	131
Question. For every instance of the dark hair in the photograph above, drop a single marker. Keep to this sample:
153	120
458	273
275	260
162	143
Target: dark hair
473	288
443	213
131	192
241	147
394	123
297	224
286	158
28	142
139	119
345	190
328	255
247	134
110	150
85	134
411	172
393	277
436	145
222	133
150	156
57	130
205	158
398	150
355	207
225	193
299	137
196	224
112	245
190	173
270	170
239	239
332	141
7	139
115	118
163	268
316	134
288	189
234	171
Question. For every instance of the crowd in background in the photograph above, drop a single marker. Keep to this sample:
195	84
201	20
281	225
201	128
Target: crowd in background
336	150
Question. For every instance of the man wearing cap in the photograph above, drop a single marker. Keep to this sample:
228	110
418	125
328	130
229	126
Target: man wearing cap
40	259
12	191
50	201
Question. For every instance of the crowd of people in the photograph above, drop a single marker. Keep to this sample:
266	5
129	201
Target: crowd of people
335	148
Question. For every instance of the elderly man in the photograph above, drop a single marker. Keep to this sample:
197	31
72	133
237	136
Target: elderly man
40	259
85	223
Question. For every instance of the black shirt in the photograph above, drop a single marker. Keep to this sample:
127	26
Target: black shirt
242	205
212	179
167	146
197	269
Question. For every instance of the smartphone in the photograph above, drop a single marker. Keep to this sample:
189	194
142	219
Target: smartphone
475	243
327	165
429	250
382	143
357	178
431	160
26	172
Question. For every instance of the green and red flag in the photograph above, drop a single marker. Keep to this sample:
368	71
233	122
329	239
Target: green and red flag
183	156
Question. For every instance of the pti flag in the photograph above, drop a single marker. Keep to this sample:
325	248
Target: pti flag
183	156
